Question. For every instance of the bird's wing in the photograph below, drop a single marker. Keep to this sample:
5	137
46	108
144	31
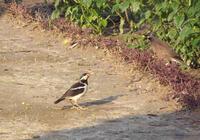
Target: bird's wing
75	89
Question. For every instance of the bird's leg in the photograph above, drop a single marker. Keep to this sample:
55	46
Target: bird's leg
79	107
74	106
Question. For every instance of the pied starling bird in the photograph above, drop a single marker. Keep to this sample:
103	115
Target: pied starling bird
76	91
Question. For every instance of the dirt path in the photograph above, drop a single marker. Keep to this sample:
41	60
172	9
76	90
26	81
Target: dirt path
36	68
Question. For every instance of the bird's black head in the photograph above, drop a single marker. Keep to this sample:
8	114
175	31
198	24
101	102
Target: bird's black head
84	76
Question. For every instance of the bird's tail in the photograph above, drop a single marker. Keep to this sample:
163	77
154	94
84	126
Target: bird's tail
59	100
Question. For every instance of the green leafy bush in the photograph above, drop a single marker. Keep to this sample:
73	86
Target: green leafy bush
127	11
86	13
177	22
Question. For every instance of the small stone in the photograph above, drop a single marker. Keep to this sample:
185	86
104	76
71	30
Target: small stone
66	41
96	47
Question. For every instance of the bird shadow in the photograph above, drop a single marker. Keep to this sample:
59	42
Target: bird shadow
97	102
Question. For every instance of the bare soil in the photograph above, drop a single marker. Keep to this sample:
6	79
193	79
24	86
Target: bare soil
123	103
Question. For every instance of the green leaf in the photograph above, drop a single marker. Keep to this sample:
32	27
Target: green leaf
125	5
147	14
173	13
135	6
179	19
172	34
196	42
91	18
185	32
104	22
100	3
56	3
87	3
55	14
158	7
115	8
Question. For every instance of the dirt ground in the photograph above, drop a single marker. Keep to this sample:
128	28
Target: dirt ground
36	68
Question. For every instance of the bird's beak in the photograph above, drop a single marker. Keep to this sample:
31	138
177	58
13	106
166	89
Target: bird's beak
90	73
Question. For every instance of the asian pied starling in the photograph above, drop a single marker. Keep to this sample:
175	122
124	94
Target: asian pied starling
76	91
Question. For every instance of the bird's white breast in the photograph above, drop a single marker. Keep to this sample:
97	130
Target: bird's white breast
81	94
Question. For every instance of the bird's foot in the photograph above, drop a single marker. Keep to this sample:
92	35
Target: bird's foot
79	108
83	108
74	107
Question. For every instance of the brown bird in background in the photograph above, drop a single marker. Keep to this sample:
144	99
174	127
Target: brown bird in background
162	50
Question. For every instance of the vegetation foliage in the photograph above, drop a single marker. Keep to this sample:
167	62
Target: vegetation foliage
175	21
